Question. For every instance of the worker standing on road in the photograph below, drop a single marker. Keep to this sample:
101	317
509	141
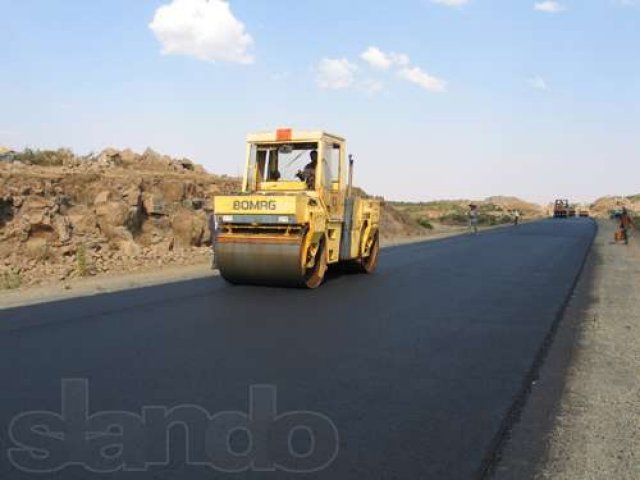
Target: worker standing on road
516	216
625	224
473	218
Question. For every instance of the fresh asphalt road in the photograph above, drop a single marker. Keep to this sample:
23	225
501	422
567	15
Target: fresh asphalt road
416	366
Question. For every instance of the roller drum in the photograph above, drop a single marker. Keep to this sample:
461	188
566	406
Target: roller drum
261	262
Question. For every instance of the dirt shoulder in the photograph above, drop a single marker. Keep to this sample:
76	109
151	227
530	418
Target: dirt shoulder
582	419
197	267
85	287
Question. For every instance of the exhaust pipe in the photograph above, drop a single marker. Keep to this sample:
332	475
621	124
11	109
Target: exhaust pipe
350	184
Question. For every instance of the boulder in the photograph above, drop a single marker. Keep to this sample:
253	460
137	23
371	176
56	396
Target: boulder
129	156
185	163
109	157
36	219
133	196
128	248
172	191
37	249
103	197
188	229
63	229
155	161
83	221
154	204
194	203
36	204
112	214
118	234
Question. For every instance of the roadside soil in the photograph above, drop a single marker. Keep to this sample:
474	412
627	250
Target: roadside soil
197	267
582	419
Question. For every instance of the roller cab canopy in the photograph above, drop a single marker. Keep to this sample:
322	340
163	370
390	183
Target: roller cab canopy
282	161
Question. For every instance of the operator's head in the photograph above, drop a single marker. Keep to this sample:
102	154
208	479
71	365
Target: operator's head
314	156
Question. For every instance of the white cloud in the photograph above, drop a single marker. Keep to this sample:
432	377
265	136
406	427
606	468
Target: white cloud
336	73
400	59
204	29
549	6
376	58
538	83
627	3
423	79
451	3
339	73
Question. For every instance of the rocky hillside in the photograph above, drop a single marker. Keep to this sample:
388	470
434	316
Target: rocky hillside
603	207
64	216
396	224
493	210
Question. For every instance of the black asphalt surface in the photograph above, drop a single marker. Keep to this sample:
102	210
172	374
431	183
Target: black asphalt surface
416	366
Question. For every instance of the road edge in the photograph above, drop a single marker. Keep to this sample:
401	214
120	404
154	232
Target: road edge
514	415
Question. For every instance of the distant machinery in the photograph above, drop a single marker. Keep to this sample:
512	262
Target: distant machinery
561	209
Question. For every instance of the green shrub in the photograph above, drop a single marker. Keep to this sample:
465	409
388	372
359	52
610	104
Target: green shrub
454	219
425	223
81	260
10	280
484	219
490	207
44	158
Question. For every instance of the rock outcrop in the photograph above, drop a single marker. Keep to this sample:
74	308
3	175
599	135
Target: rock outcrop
64	216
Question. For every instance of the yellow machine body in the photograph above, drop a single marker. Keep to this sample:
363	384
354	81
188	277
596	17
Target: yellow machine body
286	230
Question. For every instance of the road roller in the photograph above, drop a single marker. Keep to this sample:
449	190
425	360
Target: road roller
297	213
561	208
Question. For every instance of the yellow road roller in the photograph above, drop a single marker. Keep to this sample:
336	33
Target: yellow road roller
296	214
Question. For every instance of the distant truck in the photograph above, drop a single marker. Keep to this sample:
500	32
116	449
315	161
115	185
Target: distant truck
561	209
584	210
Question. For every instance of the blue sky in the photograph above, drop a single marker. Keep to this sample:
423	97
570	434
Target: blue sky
531	98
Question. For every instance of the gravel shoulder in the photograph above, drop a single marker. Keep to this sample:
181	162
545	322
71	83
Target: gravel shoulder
582	419
154	275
